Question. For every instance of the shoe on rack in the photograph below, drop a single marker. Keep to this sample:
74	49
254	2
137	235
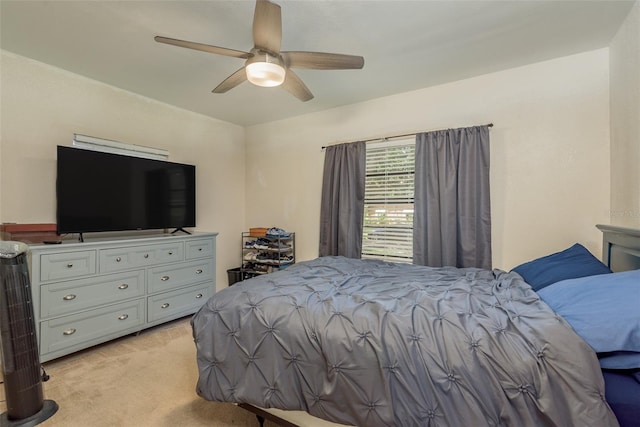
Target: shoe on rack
277	232
279	246
262	244
250	256
286	259
268	257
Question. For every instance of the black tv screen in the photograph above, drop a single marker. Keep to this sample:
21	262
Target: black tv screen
99	191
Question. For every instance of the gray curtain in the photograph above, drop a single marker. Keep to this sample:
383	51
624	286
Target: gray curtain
452	219
342	205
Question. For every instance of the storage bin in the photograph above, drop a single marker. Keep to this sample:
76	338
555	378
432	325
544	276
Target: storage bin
258	232
234	275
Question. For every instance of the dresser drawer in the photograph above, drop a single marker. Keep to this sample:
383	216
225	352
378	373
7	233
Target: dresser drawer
75	295
201	248
170	277
67	265
119	259
91	327
177	303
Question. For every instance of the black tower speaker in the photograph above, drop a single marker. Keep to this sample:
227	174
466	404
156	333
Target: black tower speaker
20	361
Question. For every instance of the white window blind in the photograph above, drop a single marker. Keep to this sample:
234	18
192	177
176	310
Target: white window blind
388	202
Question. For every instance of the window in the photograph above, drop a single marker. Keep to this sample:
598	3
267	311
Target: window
388	202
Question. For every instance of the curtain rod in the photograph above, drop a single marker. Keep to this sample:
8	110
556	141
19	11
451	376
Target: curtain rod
386	138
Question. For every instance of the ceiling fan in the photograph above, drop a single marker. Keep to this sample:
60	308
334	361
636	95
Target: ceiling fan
265	64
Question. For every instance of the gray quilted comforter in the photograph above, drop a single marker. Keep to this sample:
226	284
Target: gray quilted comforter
371	343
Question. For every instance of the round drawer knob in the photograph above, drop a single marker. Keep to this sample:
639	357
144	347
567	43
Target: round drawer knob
165	305
146	255
199	271
170	253
199	249
164	278
123	286
123	317
69	297
69	265
118	259
69	331
198	296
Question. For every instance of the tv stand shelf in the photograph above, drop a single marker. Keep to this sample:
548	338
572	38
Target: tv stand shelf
88	293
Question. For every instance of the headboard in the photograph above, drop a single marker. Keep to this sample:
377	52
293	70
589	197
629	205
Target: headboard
620	247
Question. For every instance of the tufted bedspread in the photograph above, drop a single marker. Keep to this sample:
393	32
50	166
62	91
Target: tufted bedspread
371	343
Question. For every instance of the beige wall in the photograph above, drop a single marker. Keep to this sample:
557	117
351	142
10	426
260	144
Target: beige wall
550	150
550	169
42	107
625	122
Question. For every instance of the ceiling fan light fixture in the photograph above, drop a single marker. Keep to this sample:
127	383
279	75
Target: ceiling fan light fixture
265	74
265	70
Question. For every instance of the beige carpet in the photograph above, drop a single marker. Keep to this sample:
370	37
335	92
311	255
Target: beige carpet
144	380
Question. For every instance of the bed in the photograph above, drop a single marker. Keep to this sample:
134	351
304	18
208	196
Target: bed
371	343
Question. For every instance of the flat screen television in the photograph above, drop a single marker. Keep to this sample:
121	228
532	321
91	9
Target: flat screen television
99	191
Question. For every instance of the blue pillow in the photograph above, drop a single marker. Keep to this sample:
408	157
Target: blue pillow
603	310
620	360
571	263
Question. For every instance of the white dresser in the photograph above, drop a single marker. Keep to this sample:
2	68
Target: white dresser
91	292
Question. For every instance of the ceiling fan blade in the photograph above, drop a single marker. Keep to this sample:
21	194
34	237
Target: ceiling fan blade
267	26
295	86
322	61
203	47
232	81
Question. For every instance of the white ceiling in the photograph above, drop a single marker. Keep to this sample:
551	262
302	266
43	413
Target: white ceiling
407	45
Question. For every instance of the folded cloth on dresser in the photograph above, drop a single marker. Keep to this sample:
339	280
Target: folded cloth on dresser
372	343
